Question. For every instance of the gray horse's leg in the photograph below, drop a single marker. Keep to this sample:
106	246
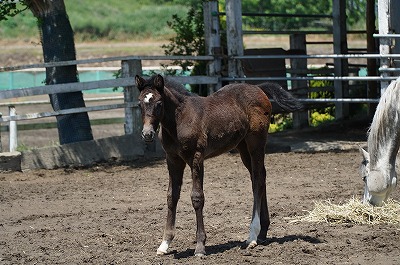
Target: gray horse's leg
176	168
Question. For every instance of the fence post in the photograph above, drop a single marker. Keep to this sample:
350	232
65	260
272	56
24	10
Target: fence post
212	41
234	35
394	28
131	68
384	43
13	130
372	86
298	44
340	47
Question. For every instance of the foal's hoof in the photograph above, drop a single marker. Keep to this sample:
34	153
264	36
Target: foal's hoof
200	255
200	251
261	241
161	253
163	248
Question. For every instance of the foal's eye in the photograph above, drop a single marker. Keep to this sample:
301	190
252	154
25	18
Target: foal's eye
158	108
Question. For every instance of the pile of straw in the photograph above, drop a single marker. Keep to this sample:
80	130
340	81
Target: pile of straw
354	212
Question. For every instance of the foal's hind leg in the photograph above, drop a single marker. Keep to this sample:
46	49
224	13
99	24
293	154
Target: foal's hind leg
264	214
176	167
252	154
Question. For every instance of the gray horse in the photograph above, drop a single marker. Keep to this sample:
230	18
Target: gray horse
378	168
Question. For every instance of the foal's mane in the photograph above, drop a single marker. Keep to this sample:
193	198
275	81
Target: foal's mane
384	127
172	85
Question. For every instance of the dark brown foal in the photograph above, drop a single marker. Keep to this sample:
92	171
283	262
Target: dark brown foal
195	128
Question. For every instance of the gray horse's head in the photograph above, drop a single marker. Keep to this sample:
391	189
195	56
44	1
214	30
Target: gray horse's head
376	184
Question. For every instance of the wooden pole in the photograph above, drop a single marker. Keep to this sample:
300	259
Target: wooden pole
213	41
234	35
371	49
133	124
340	47
298	43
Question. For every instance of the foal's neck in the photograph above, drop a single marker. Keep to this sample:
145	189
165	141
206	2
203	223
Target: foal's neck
172	100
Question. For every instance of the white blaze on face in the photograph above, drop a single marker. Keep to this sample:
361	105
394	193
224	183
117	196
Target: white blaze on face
148	97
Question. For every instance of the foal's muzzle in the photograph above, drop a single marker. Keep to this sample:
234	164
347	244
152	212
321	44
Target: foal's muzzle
148	134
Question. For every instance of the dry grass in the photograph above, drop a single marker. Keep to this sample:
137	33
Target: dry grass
353	211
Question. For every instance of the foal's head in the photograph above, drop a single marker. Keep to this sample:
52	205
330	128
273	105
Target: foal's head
151	104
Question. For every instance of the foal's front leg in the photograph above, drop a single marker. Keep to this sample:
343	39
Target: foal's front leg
176	168
198	202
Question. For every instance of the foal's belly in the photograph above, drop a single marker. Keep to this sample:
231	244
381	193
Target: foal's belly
222	141
212	152
225	136
212	140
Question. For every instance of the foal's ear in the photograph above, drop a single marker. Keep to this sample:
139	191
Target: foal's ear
140	82
159	83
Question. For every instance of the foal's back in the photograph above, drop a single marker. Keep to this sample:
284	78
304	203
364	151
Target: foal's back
233	99
222	120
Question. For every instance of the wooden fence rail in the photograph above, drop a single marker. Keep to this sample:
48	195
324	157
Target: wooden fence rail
130	66
82	86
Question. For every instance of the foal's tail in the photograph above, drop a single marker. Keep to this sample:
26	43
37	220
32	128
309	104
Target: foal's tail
281	97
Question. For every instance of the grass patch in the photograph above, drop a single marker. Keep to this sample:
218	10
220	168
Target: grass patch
108	19
23	147
354	212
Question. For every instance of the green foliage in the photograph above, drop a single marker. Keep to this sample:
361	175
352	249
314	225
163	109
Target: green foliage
317	118
10	9
322	94
188	40
280	122
287	7
323	114
117	74
9	21
355	13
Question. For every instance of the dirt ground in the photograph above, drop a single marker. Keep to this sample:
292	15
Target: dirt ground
114	214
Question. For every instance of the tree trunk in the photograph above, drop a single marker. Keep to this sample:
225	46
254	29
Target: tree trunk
58	45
